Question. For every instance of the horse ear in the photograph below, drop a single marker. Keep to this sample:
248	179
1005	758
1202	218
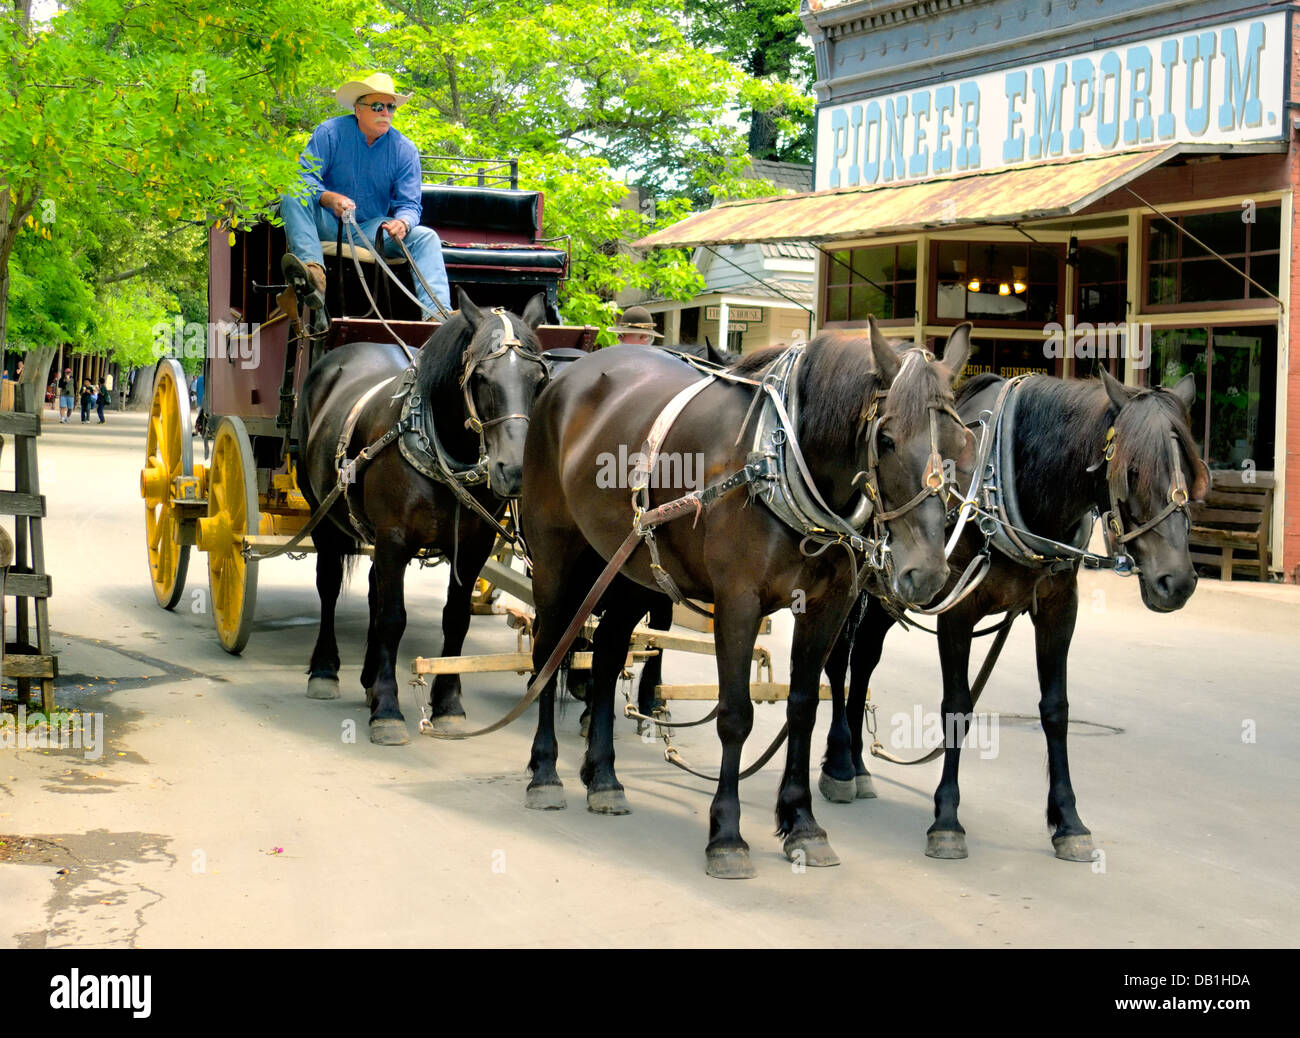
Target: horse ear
1185	390
472	313
957	352
887	362
535	312
1119	393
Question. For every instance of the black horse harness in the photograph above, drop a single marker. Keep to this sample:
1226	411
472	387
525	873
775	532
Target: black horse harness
776	473
417	439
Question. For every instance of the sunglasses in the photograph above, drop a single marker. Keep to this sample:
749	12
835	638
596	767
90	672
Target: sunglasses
380	106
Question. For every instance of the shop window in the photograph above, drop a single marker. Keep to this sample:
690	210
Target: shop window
1102	283
879	282
1004	283
1236	389
689	330
1005	357
1180	272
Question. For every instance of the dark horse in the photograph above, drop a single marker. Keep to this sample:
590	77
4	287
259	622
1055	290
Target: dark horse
1062	472
735	552
476	377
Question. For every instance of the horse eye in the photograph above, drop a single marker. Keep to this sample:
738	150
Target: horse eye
886	442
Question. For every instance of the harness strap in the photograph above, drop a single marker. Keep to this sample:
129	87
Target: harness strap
986	671
552	664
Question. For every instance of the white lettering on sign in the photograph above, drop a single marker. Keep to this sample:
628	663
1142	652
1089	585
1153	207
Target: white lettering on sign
735	313
1212	85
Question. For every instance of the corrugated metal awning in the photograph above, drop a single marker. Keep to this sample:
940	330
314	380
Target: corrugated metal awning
1011	195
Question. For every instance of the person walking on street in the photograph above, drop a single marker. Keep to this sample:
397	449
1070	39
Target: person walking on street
66	388
102	400
87	391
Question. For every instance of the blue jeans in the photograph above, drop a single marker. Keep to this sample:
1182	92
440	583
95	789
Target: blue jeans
307	225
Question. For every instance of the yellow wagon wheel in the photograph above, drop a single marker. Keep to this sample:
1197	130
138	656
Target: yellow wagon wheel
168	454
232	515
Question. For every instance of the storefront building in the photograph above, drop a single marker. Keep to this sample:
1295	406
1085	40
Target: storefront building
1091	184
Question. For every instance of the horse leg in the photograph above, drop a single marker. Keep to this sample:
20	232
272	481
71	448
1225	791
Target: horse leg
323	671
387	725
1053	631
559	586
814	632
625	607
446	713
735	629
867	648
836	782
652	674
370	667
946	838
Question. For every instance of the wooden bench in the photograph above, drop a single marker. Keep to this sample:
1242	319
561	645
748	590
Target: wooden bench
1236	517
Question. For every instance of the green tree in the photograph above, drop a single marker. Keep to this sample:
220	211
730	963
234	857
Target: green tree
588	94
766	39
146	112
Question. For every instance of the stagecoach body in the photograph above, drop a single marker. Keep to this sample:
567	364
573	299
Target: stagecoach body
244	496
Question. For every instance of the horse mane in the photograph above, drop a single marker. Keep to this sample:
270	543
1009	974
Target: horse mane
1060	431
909	398
440	356
1062	419
1141	429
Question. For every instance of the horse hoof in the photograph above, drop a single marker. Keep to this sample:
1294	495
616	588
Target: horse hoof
545	798
448	724
323	688
1074	848
810	850
730	863
837	791
866	788
945	844
607	802
388	731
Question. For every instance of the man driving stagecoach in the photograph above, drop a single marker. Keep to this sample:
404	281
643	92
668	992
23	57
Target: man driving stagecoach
359	162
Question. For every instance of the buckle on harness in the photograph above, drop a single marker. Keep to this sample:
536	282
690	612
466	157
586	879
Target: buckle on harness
348	473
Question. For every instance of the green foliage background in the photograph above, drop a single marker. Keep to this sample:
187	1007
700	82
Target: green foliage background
132	126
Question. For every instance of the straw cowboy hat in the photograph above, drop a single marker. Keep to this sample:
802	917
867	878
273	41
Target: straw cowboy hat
376	83
636	319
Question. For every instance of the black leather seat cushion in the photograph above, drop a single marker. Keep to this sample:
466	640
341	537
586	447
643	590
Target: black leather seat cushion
504	258
481	209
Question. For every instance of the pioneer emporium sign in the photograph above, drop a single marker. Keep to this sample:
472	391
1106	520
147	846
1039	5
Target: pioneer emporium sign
1215	85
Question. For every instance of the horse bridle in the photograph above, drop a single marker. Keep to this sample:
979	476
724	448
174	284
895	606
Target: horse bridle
1113	524
933	481
509	343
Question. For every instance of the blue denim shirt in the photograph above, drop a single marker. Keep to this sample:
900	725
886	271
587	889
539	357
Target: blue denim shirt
382	178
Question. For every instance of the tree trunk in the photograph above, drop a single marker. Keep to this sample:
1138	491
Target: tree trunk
142	392
36	376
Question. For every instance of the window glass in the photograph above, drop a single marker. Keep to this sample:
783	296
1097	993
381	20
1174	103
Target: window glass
1176	352
1243	386
1224	233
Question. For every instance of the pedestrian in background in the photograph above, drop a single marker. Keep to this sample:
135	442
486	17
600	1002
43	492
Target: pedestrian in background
102	400
87	392
636	327
67	385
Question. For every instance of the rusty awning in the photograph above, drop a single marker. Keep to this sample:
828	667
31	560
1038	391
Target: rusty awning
1011	195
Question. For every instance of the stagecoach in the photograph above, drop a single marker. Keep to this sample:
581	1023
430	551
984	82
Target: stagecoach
244	498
